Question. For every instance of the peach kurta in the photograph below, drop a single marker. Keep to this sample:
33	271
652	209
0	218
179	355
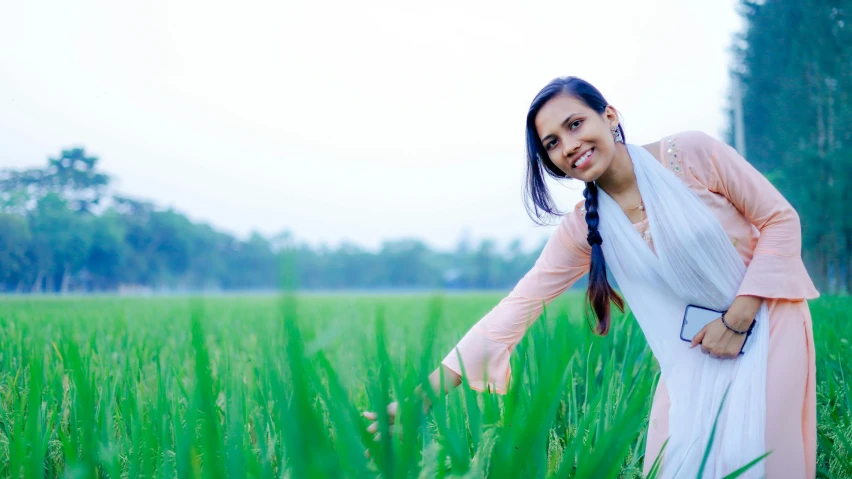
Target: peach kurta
766	232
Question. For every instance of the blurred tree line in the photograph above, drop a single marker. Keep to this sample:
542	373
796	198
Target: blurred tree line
795	68
61	231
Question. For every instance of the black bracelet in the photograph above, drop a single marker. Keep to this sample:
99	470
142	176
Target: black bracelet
748	331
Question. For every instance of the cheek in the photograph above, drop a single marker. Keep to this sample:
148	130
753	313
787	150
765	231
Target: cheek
560	163
606	153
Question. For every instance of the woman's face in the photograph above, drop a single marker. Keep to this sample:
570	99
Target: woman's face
577	139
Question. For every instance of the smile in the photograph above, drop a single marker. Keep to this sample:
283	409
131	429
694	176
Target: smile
583	159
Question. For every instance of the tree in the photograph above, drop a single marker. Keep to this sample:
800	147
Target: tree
14	243
62	232
795	62
108	254
60	243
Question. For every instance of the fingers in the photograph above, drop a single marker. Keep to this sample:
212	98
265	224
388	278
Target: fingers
373	428
392	408
722	355
715	346
722	348
717	352
719	355
393	430
698	338
376	438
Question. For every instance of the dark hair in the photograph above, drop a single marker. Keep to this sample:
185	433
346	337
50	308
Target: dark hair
540	203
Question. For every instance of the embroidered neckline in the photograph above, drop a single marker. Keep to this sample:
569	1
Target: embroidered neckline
674	156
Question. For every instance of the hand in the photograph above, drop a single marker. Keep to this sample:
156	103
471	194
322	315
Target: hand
392	409
718	341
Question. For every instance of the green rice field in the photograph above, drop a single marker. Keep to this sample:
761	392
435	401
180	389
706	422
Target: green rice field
274	386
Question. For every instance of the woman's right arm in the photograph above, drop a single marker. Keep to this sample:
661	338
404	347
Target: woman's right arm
486	347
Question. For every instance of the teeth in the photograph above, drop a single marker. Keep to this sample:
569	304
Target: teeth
583	159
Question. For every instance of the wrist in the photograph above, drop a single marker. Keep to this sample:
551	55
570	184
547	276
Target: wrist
743	311
738	321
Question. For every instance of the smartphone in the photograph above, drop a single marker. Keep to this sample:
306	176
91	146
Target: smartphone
694	320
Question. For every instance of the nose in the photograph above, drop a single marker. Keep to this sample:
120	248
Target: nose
570	148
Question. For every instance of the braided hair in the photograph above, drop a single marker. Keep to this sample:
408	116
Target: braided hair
599	293
540	204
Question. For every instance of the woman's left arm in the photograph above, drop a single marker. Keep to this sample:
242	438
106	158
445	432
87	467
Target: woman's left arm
776	269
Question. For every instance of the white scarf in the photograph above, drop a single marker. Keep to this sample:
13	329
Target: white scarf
695	263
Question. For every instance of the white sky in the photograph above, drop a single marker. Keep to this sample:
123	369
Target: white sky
341	120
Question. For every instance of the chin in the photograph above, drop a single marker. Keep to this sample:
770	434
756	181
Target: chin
591	175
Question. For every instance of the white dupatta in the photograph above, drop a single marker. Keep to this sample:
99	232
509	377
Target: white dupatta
695	263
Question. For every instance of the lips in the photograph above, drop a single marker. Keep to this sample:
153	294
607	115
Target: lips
584	160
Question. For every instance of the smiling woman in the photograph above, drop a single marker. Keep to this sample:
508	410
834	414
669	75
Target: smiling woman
571	133
575	136
683	221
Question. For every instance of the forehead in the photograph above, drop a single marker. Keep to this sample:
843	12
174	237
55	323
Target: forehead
555	111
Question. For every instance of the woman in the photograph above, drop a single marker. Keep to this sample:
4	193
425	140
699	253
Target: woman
682	221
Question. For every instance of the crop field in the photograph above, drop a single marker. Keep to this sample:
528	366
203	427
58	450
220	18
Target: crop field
274	386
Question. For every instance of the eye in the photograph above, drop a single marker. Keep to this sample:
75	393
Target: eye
575	124
550	144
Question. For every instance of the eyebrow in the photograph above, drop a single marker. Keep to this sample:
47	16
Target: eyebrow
567	120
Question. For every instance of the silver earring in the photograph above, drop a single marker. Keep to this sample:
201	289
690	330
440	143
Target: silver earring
616	134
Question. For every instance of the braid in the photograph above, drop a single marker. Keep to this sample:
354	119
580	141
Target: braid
592	216
599	293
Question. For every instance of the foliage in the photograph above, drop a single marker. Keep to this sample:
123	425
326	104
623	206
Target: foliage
62	230
795	63
273	387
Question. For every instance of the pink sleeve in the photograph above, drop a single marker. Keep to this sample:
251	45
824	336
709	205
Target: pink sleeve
486	347
776	270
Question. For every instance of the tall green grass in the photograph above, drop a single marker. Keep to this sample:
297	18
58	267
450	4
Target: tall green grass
274	387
